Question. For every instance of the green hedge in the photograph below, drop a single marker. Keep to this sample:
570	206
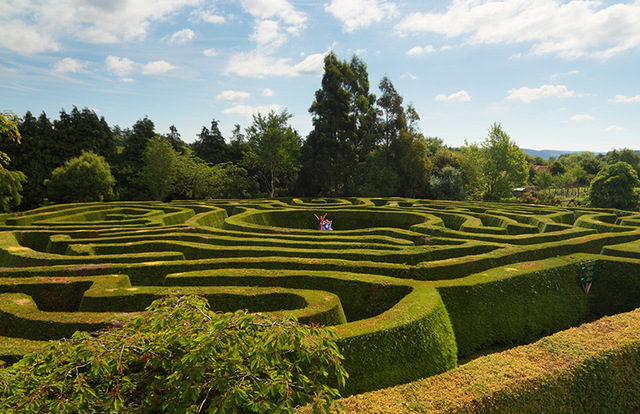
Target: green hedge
343	219
412	340
21	318
464	266
362	296
602	222
513	304
591	369
306	305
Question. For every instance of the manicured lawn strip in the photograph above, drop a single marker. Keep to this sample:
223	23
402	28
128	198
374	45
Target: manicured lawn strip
593	368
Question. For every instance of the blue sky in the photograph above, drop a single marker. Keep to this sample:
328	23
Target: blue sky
557	75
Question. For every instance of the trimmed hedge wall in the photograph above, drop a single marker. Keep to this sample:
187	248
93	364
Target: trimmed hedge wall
410	284
514	304
591	369
412	340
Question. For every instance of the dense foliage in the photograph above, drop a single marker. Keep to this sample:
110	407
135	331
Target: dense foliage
10	181
614	186
180	357
81	179
361	145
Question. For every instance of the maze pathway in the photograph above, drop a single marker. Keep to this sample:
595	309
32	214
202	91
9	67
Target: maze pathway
409	285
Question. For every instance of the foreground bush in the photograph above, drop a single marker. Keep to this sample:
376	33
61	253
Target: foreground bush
179	357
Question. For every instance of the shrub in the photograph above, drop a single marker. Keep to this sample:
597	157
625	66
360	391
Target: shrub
614	187
180	357
81	179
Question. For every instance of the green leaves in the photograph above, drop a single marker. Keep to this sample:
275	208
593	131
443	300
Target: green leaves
614	187
180	357
82	179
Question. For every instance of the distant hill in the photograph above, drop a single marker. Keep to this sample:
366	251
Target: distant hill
546	154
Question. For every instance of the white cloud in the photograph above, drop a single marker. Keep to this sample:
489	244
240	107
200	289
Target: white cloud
180	37
248	111
22	38
268	92
267	34
210	17
460	96
210	52
625	99
119	66
418	50
614	128
408	75
157	67
360	14
71	65
581	117
7	69
276	20
527	95
570	73
566	28
38	26
281	9
233	96
258	65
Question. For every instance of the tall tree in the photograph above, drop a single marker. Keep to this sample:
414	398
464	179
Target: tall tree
503	164
625	155
159	168
274	149
82	130
340	115
10	181
131	160
36	156
136	144
363	107
393	119
210	145
238	144
177	143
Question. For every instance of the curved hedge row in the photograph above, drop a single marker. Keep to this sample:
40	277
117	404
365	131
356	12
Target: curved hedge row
409	285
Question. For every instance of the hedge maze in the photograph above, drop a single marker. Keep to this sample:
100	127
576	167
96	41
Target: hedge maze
410	285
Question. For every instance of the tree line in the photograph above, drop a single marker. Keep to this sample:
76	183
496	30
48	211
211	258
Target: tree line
360	145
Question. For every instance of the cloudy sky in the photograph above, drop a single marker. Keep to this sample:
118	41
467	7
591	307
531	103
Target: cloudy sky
556	74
